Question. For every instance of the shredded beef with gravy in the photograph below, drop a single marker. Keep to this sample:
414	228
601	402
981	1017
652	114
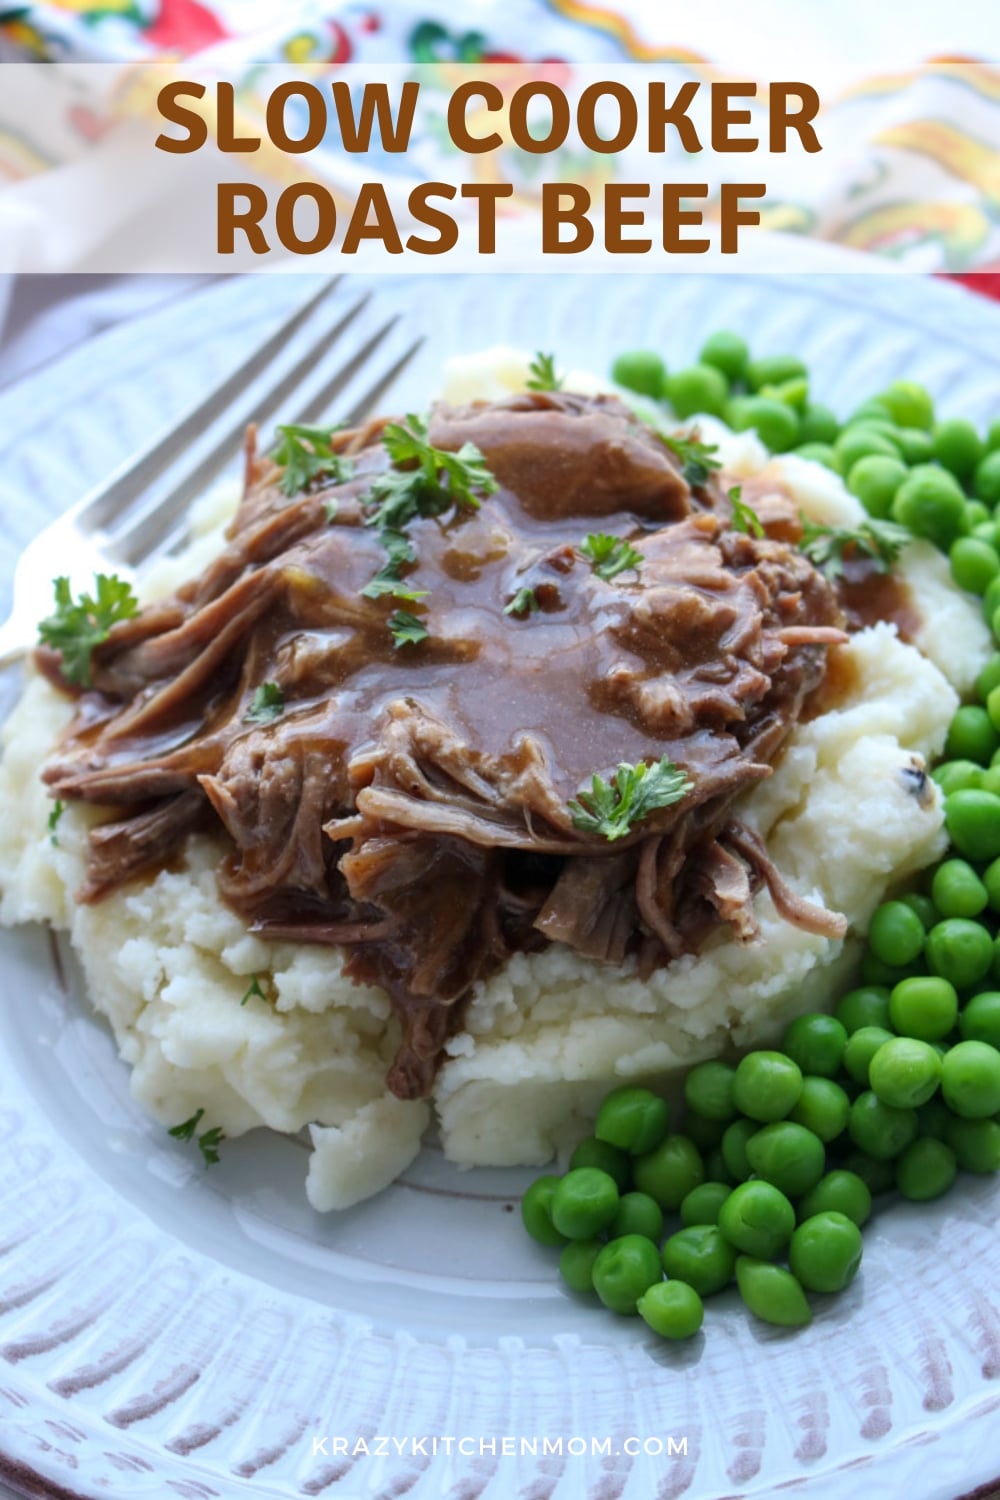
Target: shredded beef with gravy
410	803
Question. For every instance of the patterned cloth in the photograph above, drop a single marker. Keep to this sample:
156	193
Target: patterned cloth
914	173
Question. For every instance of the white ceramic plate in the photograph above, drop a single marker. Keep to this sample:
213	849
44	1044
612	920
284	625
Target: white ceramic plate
167	1331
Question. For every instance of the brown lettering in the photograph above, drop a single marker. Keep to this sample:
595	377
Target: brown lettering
674	217
724	117
457	107
326	218
660	117
225	122
784	119
434	218
559	128
356	135
487	194
732	216
247	219
316	105
616	217
372	195
628	117
554	215
189	119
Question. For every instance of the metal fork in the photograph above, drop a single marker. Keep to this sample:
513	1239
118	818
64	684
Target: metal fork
139	512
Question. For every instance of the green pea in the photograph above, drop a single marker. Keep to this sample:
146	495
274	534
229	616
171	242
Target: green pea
991	599
734	1148
924	1008
958	776
926	1170
670	1172
825	1252
896	935
594	1153
536	1211
576	1264
980	1019
794	393
767	1086
905	1072
823	1108
815	1042
876	1175
868	1006
624	1269
960	951
986	482
909	404
584	1202
873	410
916	447
819	425
957	890
775	424
862	1046
704	1132
875	480
818	453
699	388
880	1129
838	1192
930	503
702	1204
632	1119
701	1256
976	1144
993	436
788	1156
977	514
971	735
958	446
758	1219
637	1213
773	369
924	908
708	1089
728	352
991	880
772	1293
862	440
640	370
970	1080
672	1309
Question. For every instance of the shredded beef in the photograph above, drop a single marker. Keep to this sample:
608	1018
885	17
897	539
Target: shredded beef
411	804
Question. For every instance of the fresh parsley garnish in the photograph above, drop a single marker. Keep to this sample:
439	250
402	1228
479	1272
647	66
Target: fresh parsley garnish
267	703
610	555
542	371
77	626
254	991
305	454
208	1141
695	457
432	482
744	518
826	546
54	817
523	603
330	509
611	809
406	629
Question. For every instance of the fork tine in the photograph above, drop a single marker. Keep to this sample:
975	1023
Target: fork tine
132	476
164	522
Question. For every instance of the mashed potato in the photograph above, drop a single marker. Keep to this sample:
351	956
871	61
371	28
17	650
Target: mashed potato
846	816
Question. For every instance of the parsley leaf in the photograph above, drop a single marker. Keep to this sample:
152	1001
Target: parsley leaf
208	1141
744	517
523	603
254	991
458	475
54	817
695	457
610	555
305	454
330	509
543	374
267	703
75	628
827	546
406	629
611	809
186	1131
